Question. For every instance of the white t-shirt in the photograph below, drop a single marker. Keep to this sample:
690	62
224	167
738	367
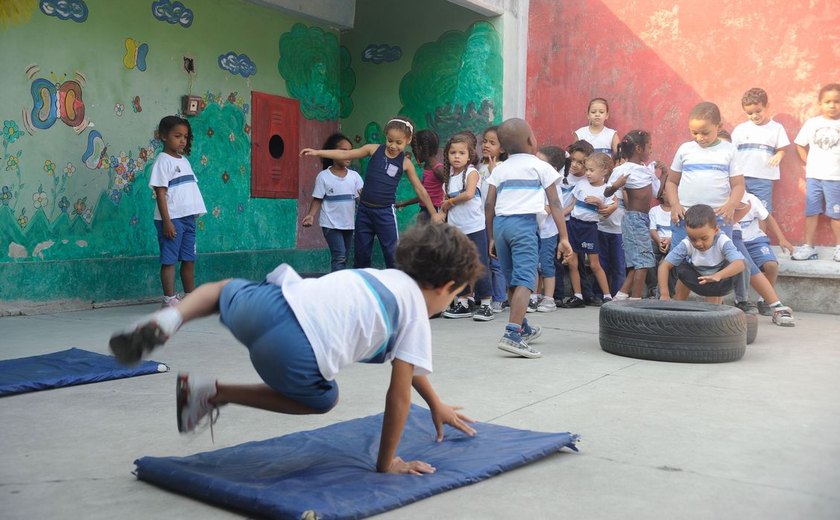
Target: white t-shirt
601	142
755	145
822	136
709	261
339	194
750	230
549	228
584	211
379	316
660	220
467	216
705	173
520	185
183	197
638	175
612	224
566	190
484	174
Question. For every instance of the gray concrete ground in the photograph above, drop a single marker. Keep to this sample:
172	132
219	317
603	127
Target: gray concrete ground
757	438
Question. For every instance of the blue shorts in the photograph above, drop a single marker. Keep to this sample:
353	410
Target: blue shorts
822	196
260	318
763	189
638	248
548	252
182	247
760	251
583	236
517	247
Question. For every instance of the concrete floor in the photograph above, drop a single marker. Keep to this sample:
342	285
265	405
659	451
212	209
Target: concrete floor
757	438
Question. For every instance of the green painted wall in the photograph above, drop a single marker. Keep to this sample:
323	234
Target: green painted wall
58	212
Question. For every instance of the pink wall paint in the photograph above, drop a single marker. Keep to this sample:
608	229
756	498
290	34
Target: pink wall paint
654	60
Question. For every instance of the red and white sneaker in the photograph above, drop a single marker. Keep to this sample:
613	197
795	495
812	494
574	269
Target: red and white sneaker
192	397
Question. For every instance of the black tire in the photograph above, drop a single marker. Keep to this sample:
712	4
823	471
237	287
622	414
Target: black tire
676	331
752	327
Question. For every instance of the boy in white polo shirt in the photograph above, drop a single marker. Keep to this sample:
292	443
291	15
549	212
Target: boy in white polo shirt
515	206
760	144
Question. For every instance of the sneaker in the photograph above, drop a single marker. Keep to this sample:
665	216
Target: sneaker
836	254
483	313
513	342
170	301
129	345
530	332
192	398
533	304
763	308
497	307
459	310
807	252
547	305
783	316
573	302
748	307
594	302
606	299
620	296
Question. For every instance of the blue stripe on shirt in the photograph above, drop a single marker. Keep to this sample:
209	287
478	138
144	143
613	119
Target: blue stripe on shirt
607	151
705	167
182	179
390	311
756	146
334	198
588	207
520	184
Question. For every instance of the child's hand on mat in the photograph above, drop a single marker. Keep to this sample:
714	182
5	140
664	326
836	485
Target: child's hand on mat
169	229
307	220
702	280
445	414
677	213
412	467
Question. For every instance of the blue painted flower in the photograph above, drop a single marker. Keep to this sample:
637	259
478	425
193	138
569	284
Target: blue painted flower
134	220
128	188
11	133
115	196
6	195
63	204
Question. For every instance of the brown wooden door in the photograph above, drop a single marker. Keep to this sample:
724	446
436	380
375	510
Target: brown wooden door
274	146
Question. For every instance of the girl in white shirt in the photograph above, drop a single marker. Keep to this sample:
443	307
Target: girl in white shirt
603	139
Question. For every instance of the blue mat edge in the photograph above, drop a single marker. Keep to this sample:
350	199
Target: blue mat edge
118	372
197	488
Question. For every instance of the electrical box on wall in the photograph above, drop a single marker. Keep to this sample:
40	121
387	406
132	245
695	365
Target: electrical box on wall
191	105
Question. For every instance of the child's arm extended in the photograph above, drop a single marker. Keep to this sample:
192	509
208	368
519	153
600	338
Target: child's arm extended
421	192
729	271
168	226
397	405
341	155
314	208
784	243
464	196
441	413
662	276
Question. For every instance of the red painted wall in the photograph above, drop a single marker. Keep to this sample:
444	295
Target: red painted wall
654	60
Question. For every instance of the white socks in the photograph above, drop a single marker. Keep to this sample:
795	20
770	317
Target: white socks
169	320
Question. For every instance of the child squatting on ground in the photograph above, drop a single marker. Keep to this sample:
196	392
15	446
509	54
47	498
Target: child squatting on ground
298	346
178	204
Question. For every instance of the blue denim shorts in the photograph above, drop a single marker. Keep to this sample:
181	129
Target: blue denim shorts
517	247
259	317
762	189
638	248
548	252
822	196
760	251
182	247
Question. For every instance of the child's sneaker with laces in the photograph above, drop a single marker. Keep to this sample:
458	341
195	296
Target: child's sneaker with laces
573	302
497	307
532	305
805	252
513	342
193	400
763	308
131	344
530	332
547	305
783	316
459	310
483	313
170	301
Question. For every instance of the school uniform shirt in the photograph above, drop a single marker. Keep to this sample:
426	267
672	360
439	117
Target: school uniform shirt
822	136
755	144
612	224
484	174
705	173
660	220
339	194
520	185
750	229
584	211
549	228
638	175
380	316
183	198
706	262
601	142
566	190
467	216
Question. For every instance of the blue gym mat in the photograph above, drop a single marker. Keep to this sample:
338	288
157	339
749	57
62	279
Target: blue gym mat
66	368
330	472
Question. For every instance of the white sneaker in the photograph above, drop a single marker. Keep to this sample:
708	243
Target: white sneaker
806	252
497	307
131	344
171	301
192	397
783	316
836	253
547	304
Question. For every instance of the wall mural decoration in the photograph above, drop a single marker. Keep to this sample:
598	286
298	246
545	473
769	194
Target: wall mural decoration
135	54
455	83
172	12
75	10
239	64
317	72
53	100
382	53
15	12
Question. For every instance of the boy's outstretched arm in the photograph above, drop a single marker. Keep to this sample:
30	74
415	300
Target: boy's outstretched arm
784	243
662	275
397	405
442	413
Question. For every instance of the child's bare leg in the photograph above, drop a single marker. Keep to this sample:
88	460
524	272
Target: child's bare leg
519	297
600	275
574	274
627	286
811	228
548	286
762	286
681	291
771	271
835	228
637	281
714	299
188	276
201	302
259	396
167	279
